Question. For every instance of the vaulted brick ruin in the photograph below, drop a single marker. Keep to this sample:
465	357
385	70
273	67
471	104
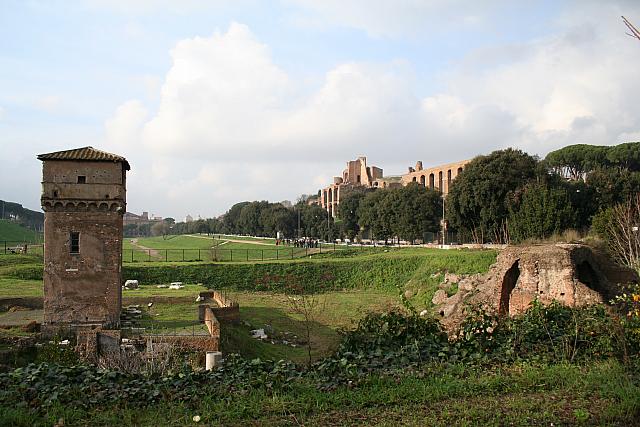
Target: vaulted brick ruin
572	274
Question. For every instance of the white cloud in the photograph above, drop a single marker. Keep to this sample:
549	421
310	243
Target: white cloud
123	129
232	125
383	18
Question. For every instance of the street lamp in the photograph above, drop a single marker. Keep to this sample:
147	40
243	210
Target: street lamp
444	223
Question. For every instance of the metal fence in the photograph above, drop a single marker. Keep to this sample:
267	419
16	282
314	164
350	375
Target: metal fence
234	255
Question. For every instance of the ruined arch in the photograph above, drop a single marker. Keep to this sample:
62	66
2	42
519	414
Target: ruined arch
432	179
422	180
587	274
459	171
414	179
441	181
508	285
448	179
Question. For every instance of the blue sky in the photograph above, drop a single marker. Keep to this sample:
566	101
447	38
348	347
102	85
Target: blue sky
214	102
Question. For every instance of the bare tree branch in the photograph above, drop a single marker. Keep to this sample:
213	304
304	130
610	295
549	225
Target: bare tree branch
634	31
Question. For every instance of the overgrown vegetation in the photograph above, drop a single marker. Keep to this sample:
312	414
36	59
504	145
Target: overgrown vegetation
385	352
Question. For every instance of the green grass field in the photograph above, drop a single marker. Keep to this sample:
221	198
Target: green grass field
10	231
350	287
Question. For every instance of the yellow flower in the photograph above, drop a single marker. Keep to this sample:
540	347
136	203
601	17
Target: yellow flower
636	297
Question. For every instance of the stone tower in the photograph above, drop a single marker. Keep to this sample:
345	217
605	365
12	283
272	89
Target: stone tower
84	199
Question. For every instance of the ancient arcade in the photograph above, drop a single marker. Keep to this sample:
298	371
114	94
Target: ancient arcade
84	199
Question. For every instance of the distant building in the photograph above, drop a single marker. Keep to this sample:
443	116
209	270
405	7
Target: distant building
131	218
188	218
84	200
359	175
436	177
356	175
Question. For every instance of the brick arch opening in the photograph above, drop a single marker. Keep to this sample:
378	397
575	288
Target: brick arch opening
586	274
508	284
422	180
432	179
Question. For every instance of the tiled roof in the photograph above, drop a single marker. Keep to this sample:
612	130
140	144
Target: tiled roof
85	153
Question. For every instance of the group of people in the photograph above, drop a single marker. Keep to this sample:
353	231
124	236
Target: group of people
299	243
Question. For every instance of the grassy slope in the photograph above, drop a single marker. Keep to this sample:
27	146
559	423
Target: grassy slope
352	286
11	231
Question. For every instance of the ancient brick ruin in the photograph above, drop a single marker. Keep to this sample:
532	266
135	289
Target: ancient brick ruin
84	198
572	274
358	175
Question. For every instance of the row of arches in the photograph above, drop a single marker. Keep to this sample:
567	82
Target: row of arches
441	179
52	206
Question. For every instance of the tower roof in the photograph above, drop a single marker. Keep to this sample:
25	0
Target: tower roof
85	153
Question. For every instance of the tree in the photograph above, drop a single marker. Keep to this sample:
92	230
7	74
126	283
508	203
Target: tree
230	219
610	186
538	210
348	213
623	232
419	211
313	221
625	156
276	218
476	203
307	305
249	219
374	217
574	161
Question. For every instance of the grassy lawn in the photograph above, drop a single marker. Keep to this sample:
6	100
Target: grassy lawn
20	288
10	231
336	310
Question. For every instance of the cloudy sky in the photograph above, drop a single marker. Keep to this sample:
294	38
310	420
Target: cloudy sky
218	101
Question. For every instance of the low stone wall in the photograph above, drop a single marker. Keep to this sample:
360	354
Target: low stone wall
28	302
226	310
211	322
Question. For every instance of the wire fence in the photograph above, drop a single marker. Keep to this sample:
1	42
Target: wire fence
216	254
234	255
21	247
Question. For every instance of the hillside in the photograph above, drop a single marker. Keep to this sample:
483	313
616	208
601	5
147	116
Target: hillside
14	232
17	213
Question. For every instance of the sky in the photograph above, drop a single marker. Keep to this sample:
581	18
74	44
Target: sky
219	101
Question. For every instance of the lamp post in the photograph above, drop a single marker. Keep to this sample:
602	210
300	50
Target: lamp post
444	224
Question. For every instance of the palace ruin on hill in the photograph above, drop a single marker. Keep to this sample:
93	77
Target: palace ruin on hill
358	175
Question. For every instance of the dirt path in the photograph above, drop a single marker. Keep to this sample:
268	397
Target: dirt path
250	242
153	252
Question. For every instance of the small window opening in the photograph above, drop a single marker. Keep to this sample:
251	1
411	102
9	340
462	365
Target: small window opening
74	242
358	178
82	179
55	193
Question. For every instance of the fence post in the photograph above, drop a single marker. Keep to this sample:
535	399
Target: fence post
131	255
262	254
183	255
199	257
231	250
291	252
215	254
149	250
166	255
247	254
